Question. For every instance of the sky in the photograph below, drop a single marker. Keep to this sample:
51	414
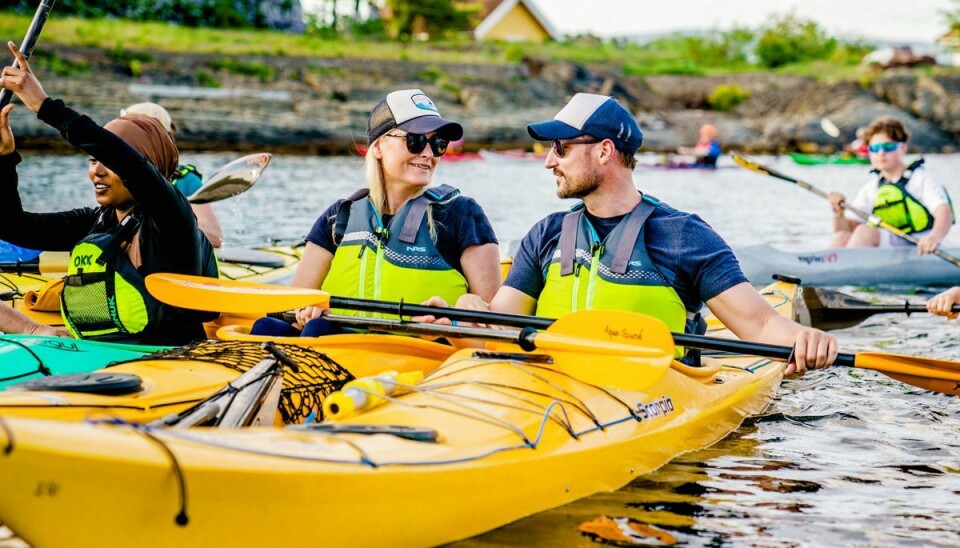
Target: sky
919	21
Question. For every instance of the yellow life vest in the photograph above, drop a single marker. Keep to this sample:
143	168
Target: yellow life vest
394	262
104	296
615	274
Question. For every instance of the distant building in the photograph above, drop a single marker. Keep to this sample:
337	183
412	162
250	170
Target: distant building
951	42
514	21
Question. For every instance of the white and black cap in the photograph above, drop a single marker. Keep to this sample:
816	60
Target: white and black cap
410	110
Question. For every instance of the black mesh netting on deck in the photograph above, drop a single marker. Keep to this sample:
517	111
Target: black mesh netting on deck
303	392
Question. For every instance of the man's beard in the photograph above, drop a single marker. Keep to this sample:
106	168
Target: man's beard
578	187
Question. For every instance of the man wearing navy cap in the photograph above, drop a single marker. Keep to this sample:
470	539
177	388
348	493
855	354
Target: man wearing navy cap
623	249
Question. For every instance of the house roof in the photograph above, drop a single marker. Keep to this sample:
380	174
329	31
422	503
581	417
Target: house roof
951	38
504	8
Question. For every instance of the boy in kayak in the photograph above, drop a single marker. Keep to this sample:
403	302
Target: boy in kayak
142	224
707	149
904	196
187	179
622	249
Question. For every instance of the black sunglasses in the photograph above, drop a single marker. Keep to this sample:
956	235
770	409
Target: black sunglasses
416	142
559	144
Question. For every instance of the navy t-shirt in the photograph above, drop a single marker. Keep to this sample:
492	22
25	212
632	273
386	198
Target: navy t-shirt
460	223
684	248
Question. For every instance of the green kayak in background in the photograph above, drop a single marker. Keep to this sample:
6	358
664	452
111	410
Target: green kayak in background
28	357
820	159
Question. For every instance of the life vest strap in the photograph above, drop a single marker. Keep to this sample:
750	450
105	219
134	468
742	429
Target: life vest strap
568	241
631	231
408	233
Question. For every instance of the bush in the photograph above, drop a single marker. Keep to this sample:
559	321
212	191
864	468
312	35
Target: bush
431	74
44	60
513	53
205	79
726	96
788	39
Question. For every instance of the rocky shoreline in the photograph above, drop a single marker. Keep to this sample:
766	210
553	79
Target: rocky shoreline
319	106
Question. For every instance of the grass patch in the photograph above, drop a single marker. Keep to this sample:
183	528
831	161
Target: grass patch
129	41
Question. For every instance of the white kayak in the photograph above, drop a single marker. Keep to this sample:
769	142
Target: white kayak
870	266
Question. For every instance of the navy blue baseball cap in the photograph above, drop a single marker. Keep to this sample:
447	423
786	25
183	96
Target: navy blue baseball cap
598	116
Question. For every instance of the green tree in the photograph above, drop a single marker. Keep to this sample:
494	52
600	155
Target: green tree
283	14
437	18
952	17
788	39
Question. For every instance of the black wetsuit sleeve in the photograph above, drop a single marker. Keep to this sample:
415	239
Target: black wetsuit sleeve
172	243
58	231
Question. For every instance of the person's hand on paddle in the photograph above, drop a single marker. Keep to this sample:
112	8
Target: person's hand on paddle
308	313
812	349
429	318
928	244
942	304
7	143
22	81
837	202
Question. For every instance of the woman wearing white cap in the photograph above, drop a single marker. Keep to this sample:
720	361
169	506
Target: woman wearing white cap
399	238
187	179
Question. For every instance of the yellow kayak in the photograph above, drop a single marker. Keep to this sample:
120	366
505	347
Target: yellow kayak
487	438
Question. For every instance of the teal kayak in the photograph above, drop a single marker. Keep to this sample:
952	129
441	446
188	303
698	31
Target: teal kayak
27	357
820	159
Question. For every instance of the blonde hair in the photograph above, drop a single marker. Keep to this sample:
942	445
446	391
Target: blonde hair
377	185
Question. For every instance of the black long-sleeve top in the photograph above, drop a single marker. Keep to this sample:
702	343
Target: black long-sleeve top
170	240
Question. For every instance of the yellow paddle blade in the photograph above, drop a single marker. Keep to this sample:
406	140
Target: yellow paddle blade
910	366
610	347
230	296
645	333
745	162
951	388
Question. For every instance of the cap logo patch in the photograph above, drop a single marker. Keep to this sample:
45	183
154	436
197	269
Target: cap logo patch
423	102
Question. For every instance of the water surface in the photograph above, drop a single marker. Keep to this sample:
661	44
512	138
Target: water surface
842	457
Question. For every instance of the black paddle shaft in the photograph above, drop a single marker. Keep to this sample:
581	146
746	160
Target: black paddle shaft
772	351
29	41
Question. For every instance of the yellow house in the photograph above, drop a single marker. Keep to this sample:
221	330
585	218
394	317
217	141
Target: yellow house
516	21
951	42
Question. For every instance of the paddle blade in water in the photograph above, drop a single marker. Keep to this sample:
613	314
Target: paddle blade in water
951	388
829	127
216	295
232	179
928	373
826	309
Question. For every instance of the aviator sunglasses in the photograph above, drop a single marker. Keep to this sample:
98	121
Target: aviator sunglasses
886	147
558	144
416	142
